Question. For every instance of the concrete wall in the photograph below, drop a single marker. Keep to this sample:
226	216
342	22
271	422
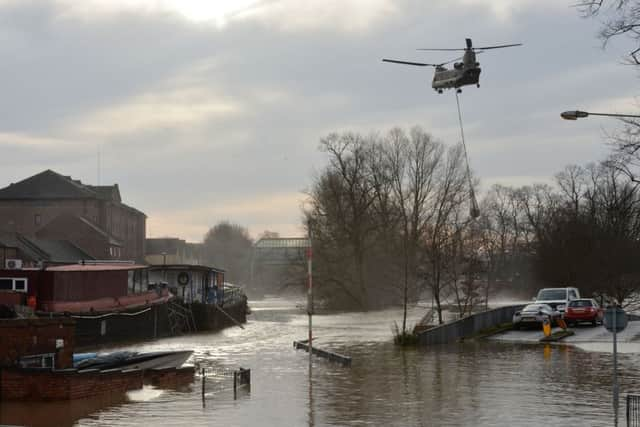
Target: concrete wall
471	325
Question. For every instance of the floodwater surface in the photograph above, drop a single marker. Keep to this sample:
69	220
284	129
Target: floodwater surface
472	384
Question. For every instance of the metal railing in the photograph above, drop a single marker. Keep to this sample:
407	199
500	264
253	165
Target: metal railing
222	379
232	296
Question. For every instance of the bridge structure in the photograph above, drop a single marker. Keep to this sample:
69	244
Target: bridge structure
278	256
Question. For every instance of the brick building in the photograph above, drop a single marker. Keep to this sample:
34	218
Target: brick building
51	206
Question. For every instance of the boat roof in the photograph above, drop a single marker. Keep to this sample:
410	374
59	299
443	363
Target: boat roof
96	267
192	267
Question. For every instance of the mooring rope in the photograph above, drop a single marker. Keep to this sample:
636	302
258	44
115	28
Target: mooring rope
111	314
474	210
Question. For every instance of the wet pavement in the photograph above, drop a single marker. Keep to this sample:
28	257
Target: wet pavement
583	334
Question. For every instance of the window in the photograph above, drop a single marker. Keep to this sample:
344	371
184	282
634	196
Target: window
580	303
37	219
18	284
44	361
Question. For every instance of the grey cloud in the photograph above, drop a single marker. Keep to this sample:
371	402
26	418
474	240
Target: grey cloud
292	88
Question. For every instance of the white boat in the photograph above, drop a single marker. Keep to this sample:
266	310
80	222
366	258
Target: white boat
133	360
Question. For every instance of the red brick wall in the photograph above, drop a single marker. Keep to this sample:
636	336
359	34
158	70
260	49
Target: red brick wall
12	298
19	215
65	385
25	337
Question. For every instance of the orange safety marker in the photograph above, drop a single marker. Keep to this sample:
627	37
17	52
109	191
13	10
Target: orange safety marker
562	324
546	327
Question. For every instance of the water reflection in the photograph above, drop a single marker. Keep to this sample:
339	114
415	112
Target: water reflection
47	414
474	383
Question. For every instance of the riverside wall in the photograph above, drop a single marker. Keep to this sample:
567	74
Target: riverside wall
468	326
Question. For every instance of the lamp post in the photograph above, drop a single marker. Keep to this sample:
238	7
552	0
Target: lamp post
577	114
615	319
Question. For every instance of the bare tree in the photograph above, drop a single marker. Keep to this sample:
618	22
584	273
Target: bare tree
228	246
413	161
450	196
618	17
340	212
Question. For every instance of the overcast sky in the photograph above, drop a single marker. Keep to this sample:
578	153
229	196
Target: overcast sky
211	110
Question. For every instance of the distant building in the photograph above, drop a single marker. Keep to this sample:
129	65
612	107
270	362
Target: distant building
171	250
50	206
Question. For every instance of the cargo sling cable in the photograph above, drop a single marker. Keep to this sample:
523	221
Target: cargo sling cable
474	210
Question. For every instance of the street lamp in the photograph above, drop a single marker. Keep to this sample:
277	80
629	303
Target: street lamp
577	114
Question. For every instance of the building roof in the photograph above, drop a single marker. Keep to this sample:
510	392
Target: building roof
107	192
52	185
61	250
47	185
10	239
43	249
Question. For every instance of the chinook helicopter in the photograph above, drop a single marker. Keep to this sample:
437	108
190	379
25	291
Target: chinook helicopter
463	73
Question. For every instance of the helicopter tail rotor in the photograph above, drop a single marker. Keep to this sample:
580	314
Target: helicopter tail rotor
469	45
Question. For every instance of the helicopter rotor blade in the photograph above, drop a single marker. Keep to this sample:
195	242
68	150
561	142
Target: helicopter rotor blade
419	64
476	49
497	47
442	50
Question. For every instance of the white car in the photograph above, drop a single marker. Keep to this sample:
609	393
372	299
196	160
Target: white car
557	298
535	315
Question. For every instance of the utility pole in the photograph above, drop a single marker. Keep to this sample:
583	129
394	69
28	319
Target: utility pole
310	296
615	364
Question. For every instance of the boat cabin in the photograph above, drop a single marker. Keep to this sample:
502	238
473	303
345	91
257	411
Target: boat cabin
79	288
191	283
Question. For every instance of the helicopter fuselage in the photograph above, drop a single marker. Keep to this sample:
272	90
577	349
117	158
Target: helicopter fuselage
453	79
463	73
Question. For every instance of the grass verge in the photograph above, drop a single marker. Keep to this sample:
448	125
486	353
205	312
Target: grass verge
484	333
405	339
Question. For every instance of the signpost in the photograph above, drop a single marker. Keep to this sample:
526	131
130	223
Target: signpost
615	320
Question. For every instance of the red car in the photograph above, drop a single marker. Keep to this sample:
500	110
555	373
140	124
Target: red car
583	310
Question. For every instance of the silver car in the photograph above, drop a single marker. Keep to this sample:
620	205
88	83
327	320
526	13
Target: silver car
535	315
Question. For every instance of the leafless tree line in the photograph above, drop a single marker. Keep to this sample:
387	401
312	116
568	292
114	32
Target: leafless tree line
389	219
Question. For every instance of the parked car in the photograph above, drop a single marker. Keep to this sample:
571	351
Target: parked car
535	315
583	310
557	298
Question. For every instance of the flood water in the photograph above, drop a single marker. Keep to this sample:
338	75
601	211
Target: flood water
471	384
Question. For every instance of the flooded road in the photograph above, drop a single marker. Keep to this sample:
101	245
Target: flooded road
477	383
